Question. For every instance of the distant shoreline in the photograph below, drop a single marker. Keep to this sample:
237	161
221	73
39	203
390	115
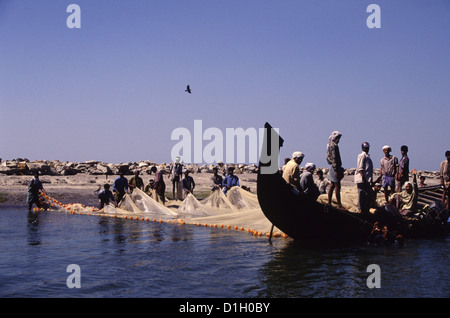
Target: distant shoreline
92	167
73	182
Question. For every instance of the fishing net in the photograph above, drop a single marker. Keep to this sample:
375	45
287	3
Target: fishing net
214	204
349	199
238	210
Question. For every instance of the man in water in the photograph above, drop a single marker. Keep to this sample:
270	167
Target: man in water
34	189
120	186
388	171
105	196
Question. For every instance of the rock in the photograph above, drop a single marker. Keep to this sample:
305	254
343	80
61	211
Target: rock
68	171
251	168
143	164
113	168
350	172
22	168
4	169
91	162
43	167
99	169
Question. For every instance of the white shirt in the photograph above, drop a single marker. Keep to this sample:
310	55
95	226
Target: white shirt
365	165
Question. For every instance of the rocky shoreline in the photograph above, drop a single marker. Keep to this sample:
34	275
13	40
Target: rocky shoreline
92	167
77	182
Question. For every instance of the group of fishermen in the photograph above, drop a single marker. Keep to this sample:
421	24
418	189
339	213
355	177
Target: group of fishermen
156	187
223	178
392	170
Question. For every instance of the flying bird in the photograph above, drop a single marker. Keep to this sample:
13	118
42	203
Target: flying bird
188	89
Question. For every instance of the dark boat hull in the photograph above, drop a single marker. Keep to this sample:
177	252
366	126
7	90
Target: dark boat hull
304	219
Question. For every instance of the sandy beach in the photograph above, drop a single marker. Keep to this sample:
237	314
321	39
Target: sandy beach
82	187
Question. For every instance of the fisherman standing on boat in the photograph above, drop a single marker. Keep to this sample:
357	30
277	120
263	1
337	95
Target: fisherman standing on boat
291	171
403	168
307	184
363	178
230	181
336	171
445	180
388	171
120	186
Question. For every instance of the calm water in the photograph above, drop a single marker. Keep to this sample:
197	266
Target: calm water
128	258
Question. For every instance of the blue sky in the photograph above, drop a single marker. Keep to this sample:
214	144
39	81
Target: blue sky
113	90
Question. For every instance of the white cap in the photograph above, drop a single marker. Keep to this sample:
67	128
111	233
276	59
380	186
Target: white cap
297	154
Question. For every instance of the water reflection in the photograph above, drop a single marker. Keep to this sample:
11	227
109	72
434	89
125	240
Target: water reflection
408	271
299	271
136	231
33	232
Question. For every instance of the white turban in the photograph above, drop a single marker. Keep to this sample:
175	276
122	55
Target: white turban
297	154
334	135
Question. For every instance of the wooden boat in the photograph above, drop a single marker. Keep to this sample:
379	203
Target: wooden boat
305	219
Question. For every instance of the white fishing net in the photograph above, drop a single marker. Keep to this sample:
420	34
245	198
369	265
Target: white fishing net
349	199
239	210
